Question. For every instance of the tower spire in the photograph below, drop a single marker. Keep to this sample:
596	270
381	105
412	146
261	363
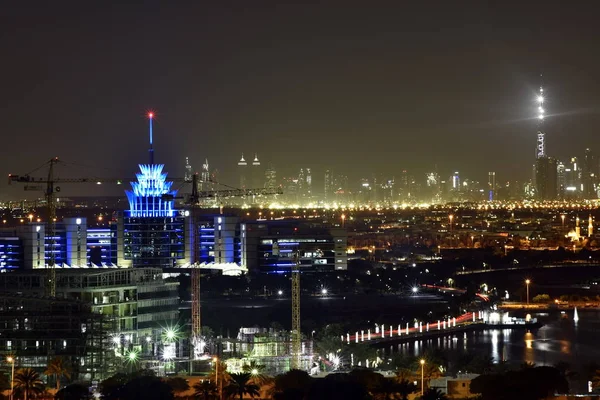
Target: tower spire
151	150
540	151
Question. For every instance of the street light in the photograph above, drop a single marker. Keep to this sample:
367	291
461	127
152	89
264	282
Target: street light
562	217
527	282
422	376
11	360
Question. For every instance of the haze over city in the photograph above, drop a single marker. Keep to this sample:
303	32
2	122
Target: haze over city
395	87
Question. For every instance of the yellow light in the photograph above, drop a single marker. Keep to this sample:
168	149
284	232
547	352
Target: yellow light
10	359
422	362
527	281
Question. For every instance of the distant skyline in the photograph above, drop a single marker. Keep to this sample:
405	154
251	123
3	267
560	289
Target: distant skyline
364	90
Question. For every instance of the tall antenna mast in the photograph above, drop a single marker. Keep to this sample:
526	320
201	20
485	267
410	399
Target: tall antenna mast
151	150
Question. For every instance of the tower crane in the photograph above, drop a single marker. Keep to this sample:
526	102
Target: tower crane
296	334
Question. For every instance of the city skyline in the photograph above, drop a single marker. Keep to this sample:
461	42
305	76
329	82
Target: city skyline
393	89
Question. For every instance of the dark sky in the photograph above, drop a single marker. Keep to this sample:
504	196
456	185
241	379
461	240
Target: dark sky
369	88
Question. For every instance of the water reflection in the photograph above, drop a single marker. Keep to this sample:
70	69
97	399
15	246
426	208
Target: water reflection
557	341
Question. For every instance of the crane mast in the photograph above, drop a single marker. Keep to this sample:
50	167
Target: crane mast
296	334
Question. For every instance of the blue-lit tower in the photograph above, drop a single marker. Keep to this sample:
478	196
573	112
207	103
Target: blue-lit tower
152	232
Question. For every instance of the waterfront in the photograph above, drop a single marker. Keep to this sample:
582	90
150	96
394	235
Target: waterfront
560	339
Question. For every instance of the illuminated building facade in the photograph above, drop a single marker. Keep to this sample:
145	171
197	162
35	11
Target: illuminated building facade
153	233
272	246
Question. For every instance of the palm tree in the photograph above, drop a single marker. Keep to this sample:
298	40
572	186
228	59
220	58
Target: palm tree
58	368
240	385
205	388
257	371
433	394
28	382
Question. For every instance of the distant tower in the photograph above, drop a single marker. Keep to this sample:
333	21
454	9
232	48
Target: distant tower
491	186
308	183
590	227
188	171
328	186
540	149
242	164
205	176
577	228
256	172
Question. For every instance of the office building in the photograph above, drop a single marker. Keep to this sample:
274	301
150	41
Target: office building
276	246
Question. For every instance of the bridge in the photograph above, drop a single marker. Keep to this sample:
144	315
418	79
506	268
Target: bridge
464	322
531	267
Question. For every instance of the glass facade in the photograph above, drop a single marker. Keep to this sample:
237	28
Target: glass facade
11	253
101	246
154	242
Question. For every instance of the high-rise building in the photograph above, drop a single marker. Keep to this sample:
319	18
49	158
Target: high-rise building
154	234
270	177
561	182
328	193
540	149
546	178
205	178
589	176
242	171
188	171
491	186
257	173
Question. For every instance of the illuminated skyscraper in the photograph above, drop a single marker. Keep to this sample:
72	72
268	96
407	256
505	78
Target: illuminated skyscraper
491	186
328	193
188	170
540	149
270	177
257	173
205	179
242	168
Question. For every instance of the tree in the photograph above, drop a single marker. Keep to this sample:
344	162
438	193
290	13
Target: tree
387	389
256	371
294	384
433	394
178	384
337	387
205	389
58	369
111	388
28	382
405	388
240	384
596	379
147	388
74	391
532	383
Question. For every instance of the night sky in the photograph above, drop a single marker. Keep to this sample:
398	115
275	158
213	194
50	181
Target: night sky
363	89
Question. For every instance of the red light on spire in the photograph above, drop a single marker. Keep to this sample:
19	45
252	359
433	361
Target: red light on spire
150	115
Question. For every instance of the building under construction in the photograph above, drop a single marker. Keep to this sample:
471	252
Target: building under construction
134	306
268	347
36	329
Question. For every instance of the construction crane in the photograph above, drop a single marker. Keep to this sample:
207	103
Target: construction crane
296	334
51	189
